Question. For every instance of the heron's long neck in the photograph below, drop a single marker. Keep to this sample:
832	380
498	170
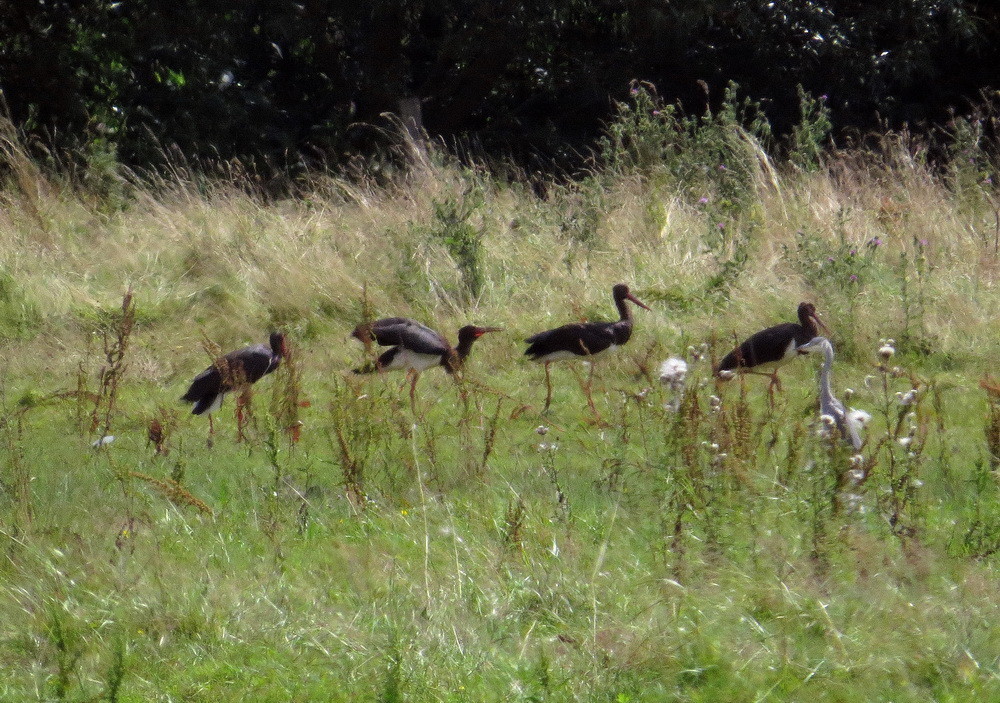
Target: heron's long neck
824	373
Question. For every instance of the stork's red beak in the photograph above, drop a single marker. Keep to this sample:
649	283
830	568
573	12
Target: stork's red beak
635	300
480	331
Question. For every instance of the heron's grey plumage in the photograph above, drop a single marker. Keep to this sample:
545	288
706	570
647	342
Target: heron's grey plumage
828	403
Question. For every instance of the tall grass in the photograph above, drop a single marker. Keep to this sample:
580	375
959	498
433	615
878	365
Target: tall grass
691	542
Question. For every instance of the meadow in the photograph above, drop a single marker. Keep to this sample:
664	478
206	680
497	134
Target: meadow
693	542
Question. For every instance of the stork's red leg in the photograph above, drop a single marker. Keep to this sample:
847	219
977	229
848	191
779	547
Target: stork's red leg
239	418
548	387
588	389
413	391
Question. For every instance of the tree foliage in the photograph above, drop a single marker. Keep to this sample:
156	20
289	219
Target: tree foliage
284	84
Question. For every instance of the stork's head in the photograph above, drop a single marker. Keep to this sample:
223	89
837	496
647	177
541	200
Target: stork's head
809	319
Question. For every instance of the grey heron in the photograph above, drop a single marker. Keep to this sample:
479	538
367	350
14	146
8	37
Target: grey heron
847	422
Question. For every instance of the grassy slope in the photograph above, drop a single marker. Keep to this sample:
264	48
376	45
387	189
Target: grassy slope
633	561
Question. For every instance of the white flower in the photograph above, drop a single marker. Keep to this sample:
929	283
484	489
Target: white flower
547	447
905	441
673	371
908	398
848	394
858	418
827	420
886	350
856	475
542	430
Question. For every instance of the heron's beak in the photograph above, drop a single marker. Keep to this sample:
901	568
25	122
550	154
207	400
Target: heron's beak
637	301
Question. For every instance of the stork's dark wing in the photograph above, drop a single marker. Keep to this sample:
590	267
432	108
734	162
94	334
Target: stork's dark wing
207	383
250	364
421	339
766	346
391	331
580	338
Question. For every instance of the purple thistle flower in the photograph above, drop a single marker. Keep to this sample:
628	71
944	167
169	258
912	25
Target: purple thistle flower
875	241
923	242
830	259
853	278
722	225
703	200
656	113
853	252
722	167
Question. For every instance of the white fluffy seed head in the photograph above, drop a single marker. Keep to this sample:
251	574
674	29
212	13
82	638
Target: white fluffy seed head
673	371
858	417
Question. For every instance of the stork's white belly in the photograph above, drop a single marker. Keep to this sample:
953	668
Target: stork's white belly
216	404
408	359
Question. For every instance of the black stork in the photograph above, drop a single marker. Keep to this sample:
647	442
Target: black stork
773	347
415	347
583	339
234	372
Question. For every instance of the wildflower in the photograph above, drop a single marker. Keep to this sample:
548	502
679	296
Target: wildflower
905	441
656	113
856	475
848	393
542	430
721	225
887	349
824	97
858	417
547	447
923	242
722	167
673	371
875	242
715	402
908	398
827	420
703	200
853	252
853	278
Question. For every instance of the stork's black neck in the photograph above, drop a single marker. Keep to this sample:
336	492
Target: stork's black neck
807	319
464	346
624	311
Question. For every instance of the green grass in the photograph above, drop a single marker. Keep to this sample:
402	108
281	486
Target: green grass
454	554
